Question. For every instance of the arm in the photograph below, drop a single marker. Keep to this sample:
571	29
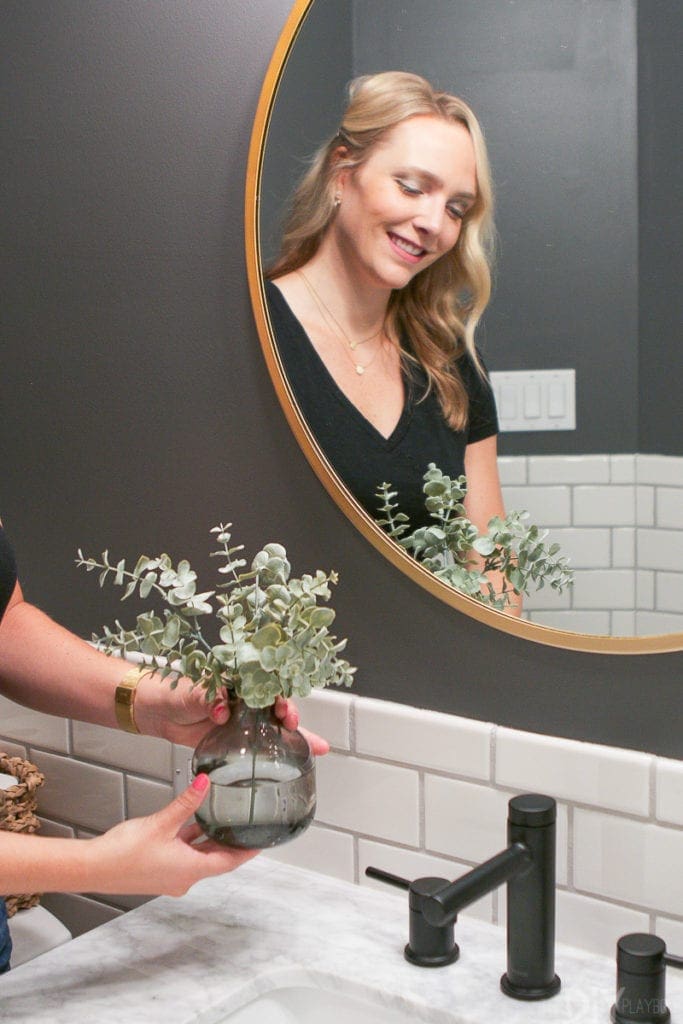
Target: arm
47	668
484	498
145	856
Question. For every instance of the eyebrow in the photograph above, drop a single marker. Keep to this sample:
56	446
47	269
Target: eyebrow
434	179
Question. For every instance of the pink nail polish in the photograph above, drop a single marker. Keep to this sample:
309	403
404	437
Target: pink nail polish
201	783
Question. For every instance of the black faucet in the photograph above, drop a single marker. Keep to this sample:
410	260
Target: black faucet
641	979
528	867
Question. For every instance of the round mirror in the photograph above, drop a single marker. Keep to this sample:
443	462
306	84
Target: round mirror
585	446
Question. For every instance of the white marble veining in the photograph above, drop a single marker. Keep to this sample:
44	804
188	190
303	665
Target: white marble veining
194	960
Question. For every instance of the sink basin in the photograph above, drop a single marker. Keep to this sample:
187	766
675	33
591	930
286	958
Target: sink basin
305	1004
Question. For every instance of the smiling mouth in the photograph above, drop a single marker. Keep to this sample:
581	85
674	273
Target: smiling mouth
409	248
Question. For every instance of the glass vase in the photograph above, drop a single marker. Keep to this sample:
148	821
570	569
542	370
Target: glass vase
262	780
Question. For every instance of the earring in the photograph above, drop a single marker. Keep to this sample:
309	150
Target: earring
337	199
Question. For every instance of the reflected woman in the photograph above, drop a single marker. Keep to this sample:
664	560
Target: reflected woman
374	299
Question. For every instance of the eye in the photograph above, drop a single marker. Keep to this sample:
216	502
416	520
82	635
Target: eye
407	188
456	212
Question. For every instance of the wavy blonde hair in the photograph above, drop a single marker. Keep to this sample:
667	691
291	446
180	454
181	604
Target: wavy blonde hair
440	308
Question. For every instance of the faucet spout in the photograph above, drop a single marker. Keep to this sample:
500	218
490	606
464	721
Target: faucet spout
444	906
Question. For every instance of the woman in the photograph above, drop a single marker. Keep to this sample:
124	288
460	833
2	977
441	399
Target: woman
382	278
51	670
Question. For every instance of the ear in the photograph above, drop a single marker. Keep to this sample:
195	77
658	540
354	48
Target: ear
338	156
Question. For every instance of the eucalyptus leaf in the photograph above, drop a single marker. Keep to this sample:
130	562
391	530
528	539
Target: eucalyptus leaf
274	638
510	548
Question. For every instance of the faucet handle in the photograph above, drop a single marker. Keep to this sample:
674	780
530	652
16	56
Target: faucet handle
641	979
386	876
428	945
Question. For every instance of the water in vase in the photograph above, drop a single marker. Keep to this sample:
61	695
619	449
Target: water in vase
259	805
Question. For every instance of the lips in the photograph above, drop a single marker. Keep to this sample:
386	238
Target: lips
406	248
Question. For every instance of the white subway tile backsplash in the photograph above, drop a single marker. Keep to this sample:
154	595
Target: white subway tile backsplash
611	505
548	600
547	506
669	592
411	864
586	547
144	796
512	469
55	829
669	786
622	469
660	469
33	728
623	547
645	589
11	748
460	746
604	588
672	933
79	793
581	772
595	622
111	746
632	861
327	712
659	622
319	849
595	925
645	506
569	469
669	507
374	799
660	549
464	820
182	767
623	623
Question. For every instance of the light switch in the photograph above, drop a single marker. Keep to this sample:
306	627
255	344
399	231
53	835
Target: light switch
535	399
557	403
532	400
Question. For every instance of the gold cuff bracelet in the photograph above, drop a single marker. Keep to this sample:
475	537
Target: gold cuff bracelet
124	700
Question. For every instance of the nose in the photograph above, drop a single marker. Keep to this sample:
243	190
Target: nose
429	218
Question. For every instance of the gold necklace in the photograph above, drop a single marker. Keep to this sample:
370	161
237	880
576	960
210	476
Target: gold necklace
338	330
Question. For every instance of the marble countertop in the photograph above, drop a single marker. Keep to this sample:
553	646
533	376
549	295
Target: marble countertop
192	960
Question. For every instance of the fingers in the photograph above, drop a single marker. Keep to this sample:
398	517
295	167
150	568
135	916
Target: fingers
175	814
287	712
188	833
318	745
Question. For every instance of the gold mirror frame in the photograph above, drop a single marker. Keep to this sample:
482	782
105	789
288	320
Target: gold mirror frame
653	644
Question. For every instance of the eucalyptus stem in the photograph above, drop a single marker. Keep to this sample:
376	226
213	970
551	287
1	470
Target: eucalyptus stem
252	793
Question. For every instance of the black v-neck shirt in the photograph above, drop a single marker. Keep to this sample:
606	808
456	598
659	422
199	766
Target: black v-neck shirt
8	572
360	454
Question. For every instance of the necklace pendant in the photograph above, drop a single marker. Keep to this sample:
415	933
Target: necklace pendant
360	369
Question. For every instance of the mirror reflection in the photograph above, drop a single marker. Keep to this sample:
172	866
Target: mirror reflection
554	86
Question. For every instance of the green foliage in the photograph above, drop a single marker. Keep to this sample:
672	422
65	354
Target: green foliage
510	547
274	638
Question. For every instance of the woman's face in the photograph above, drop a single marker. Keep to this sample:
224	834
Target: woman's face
402	208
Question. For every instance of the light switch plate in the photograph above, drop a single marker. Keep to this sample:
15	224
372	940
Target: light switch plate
535	399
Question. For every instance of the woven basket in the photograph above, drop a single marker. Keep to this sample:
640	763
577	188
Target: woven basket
18	813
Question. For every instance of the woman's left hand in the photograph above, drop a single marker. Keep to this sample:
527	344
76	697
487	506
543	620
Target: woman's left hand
183	715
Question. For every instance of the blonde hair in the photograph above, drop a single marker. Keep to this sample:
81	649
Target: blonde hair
440	308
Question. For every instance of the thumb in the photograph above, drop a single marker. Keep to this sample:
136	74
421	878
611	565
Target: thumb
179	810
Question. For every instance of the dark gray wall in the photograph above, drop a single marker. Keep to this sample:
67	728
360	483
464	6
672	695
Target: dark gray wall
660	154
136	408
306	111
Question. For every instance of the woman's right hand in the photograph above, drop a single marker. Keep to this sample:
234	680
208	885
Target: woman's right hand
158	854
